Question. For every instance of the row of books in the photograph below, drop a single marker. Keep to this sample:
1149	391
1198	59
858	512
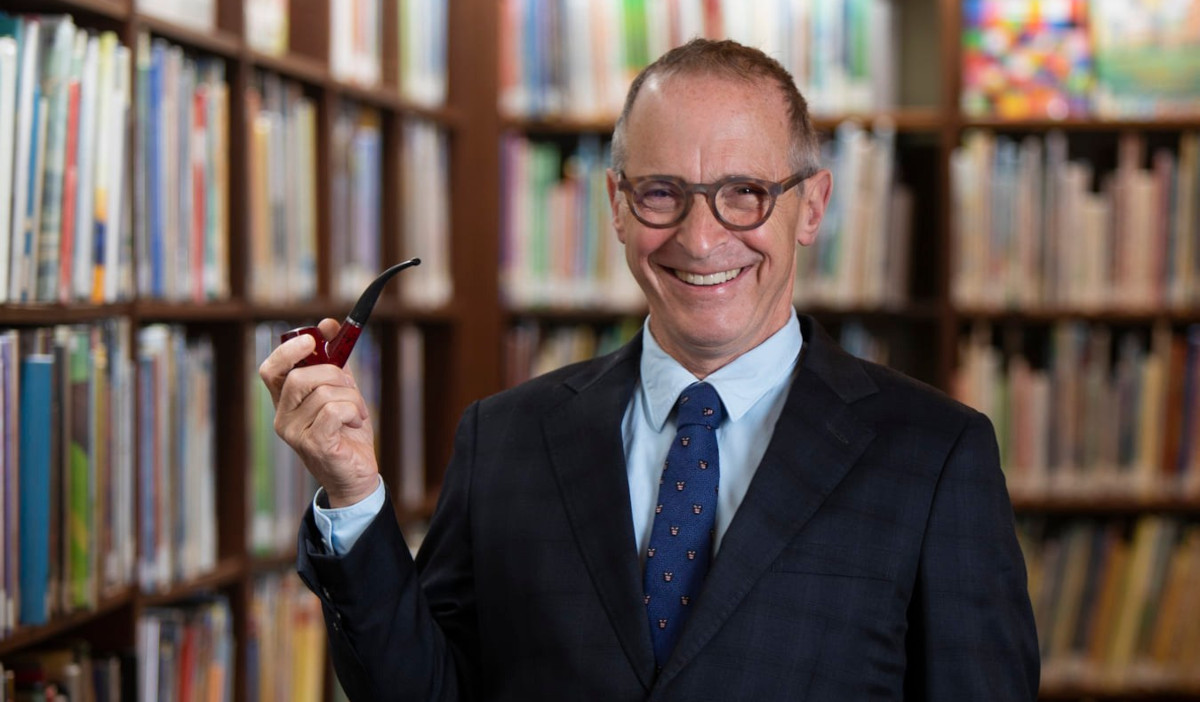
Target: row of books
558	247
283	198
185	652
1115	601
67	468
1089	411
177	413
1029	229
862	252
285	649
64	103
576	59
181	172
282	125
1075	58
69	671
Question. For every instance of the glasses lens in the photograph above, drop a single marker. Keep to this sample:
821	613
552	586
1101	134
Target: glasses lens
743	203
658	201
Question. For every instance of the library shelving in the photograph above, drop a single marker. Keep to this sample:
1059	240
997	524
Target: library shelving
233	156
465	334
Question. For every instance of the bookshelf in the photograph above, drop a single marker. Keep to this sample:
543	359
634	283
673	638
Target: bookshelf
414	155
467	340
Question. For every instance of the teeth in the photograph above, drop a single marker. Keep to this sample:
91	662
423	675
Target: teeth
710	279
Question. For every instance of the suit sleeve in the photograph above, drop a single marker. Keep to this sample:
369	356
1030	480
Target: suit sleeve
398	629
971	627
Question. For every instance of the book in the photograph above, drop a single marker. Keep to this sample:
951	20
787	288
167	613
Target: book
8	120
55	67
37	387
266	25
27	37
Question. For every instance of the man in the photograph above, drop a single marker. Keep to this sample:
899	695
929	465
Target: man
848	533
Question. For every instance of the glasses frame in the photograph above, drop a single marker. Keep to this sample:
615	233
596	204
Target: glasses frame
627	185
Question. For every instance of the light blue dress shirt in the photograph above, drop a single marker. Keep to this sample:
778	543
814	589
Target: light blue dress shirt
753	388
753	401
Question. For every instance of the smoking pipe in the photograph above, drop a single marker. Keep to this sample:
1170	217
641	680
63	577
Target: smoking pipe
338	349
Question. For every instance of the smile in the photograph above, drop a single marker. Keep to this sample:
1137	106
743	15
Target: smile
710	279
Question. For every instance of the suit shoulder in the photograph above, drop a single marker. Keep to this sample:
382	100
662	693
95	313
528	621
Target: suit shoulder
905	396
552	388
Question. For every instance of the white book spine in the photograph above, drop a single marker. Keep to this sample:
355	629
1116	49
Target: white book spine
8	115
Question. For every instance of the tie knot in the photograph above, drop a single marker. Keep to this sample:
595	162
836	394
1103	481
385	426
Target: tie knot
699	403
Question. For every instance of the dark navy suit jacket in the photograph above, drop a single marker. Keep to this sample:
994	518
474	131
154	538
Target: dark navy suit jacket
873	558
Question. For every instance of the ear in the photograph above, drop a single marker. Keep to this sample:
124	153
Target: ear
614	202
814	200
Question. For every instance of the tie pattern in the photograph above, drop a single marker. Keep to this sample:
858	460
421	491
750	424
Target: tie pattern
680	549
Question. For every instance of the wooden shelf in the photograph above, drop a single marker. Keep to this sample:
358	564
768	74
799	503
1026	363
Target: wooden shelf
161	311
215	42
295	66
1166	124
27	637
227	572
111	9
1108	504
1051	315
56	313
1101	692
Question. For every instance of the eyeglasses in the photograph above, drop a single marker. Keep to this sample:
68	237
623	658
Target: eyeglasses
738	202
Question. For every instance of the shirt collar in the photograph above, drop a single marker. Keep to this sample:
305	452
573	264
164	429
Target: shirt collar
741	383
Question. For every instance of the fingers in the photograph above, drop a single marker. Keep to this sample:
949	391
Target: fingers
283	359
310	417
307	389
274	370
329	327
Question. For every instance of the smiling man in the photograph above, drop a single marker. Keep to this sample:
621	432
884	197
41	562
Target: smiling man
728	508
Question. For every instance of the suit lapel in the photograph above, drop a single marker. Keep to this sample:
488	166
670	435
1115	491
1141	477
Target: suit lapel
816	441
583	436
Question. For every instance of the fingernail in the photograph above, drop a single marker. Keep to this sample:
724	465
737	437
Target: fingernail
348	380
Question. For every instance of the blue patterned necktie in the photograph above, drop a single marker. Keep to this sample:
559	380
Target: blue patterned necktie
682	536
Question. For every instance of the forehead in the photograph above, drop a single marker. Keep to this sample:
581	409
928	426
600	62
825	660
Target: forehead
704	126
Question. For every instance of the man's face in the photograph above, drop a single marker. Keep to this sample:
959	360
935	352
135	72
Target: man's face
703	129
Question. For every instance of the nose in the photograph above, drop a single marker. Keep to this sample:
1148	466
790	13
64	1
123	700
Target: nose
700	233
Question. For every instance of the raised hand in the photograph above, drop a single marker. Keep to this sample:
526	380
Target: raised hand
321	414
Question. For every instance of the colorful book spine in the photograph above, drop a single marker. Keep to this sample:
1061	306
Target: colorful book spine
37	383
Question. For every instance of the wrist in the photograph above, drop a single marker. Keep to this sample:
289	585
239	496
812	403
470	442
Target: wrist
348	495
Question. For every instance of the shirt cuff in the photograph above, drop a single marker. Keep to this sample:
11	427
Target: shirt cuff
340	527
